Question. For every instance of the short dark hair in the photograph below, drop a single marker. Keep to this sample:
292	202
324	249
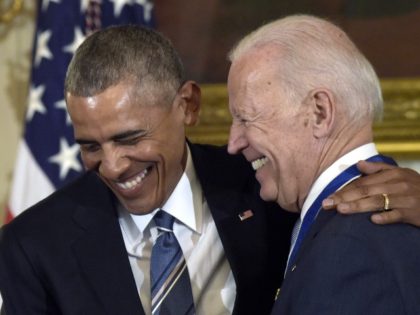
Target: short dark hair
127	53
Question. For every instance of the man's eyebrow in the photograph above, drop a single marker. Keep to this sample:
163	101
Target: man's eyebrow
128	134
117	137
84	141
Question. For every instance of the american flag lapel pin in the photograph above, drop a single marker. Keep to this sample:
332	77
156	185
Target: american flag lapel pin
245	215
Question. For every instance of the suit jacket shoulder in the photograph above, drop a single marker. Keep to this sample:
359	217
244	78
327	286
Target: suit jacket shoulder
348	265
86	191
66	255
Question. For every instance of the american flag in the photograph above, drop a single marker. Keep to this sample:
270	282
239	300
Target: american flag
48	157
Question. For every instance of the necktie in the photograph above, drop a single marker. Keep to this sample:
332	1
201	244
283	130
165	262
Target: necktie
295	232
302	227
170	282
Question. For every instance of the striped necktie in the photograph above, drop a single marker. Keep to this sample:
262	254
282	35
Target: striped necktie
170	282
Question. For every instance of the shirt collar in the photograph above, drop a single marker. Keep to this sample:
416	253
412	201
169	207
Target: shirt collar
360	153
185	204
180	203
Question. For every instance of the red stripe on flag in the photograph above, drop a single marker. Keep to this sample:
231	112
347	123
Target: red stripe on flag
9	215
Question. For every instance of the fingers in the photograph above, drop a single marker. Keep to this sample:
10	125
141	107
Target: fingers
404	208
373	167
394	181
405	215
379	173
372	203
376	203
387	217
365	198
402	185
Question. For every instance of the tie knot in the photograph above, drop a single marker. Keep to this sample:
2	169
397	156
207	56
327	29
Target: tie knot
164	221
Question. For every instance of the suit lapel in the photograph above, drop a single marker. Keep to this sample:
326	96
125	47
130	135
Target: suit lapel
243	240
102	256
322	219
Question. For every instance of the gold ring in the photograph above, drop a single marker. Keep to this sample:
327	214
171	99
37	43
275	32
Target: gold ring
386	202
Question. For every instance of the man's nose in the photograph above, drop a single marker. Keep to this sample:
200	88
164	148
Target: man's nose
237	141
114	163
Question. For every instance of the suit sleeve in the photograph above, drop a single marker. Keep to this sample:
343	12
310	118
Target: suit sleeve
20	285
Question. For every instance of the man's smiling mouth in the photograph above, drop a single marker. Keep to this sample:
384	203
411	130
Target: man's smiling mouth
134	182
258	163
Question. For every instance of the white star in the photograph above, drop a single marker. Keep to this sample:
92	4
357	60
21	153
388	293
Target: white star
35	102
118	5
62	105
42	50
83	5
46	3
77	40
147	9
66	158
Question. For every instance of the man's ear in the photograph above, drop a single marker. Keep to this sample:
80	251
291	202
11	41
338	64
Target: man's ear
190	94
323	110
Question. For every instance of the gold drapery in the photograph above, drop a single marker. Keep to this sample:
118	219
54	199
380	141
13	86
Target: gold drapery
398	134
7	14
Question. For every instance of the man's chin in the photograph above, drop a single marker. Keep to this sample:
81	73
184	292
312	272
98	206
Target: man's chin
266	196
290	207
139	212
136	209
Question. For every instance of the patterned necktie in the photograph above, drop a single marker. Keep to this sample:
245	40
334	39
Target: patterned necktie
170	282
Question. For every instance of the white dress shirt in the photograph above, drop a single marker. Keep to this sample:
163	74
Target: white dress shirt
212	282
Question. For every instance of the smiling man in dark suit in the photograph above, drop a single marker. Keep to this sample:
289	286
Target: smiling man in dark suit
303	100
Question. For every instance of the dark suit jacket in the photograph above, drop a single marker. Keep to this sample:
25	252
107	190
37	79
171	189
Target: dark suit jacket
66	255
348	265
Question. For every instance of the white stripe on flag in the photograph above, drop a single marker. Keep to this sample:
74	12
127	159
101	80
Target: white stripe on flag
30	184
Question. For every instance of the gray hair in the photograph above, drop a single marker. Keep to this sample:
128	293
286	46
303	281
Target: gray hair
128	53
315	53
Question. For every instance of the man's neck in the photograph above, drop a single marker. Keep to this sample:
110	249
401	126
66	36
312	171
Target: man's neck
332	149
335	169
342	143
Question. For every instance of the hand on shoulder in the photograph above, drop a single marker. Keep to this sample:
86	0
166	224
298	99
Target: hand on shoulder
401	186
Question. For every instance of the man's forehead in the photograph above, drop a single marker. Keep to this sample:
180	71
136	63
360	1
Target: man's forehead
254	68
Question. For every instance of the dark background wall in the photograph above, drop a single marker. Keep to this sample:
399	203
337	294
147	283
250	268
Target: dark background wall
203	31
